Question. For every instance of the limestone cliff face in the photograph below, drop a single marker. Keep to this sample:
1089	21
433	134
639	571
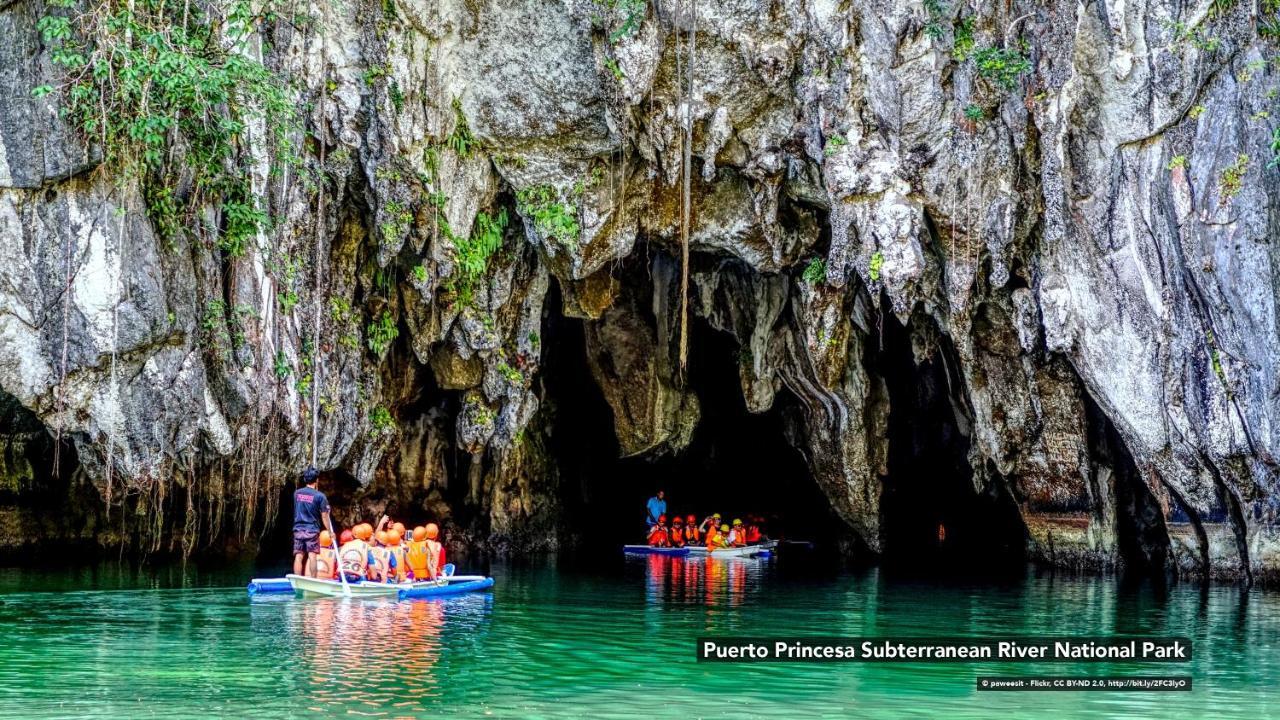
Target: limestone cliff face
1070	207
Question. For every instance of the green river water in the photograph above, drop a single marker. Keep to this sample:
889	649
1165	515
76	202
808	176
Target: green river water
609	639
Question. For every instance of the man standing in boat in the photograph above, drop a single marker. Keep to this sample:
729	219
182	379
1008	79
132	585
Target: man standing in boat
310	515
656	507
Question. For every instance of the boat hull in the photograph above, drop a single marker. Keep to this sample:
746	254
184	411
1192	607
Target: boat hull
748	551
317	587
646	550
430	590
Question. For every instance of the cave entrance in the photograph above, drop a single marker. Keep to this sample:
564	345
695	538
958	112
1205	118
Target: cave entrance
932	517
737	463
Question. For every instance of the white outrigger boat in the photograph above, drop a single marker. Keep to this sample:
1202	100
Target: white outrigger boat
745	551
317	587
448	584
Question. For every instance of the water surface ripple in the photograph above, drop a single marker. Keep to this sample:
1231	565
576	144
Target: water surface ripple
610	641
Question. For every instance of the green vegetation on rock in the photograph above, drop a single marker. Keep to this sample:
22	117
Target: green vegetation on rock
167	91
815	272
554	219
474	253
873	268
1002	66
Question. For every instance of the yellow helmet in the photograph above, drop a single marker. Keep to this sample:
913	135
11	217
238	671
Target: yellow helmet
736	522
724	528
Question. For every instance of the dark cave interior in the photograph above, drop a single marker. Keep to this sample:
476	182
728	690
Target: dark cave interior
932	516
737	463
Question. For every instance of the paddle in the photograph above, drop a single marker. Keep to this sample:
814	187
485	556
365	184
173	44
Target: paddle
337	557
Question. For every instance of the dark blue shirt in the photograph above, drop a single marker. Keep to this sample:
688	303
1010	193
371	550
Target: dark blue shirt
308	505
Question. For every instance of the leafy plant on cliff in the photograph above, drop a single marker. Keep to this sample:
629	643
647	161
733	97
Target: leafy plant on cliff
167	91
963	44
510	374
935	12
381	333
628	13
554	219
1002	66
399	218
1231	180
281	365
380	422
473	253
873	268
815	273
460	140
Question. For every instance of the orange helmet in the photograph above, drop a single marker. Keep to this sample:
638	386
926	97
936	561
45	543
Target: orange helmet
325	538
398	527
346	537
678	521
382	537
691	519
393	537
432	531
364	531
419	533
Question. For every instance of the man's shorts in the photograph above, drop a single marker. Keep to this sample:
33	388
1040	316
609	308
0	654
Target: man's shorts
305	540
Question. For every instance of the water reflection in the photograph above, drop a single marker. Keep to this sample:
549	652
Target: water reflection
709	581
374	657
602	639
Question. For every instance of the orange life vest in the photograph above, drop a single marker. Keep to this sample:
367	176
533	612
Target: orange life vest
354	558
402	569
676	536
381	558
416	554
658	537
737	537
692	536
753	534
327	563
715	540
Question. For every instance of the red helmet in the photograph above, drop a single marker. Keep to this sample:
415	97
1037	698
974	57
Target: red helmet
678	521
346	537
662	518
690	519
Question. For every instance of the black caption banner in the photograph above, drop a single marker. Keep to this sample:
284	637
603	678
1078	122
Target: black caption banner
947	649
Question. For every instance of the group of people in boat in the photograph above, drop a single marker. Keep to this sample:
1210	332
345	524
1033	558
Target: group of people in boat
387	553
686	531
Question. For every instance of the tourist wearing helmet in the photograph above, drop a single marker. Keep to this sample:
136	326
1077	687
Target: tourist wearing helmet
435	551
716	537
709	524
737	534
691	534
327	558
676	535
416	552
356	556
658	536
398	569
